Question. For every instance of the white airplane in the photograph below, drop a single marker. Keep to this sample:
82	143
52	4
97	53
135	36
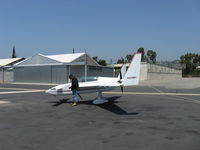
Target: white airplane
129	78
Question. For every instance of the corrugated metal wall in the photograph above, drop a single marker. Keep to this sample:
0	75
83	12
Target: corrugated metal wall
41	74
92	72
95	71
33	74
6	75
58	74
78	71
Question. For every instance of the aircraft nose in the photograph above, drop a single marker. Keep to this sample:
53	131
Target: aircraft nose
47	91
50	91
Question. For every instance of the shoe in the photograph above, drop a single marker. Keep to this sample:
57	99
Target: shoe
74	104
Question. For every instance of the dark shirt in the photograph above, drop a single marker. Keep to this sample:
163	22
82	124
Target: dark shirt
74	84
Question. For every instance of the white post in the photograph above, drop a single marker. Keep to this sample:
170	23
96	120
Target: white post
3	74
69	69
85	67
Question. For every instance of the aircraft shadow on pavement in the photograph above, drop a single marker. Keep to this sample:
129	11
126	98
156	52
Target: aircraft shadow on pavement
57	103
109	106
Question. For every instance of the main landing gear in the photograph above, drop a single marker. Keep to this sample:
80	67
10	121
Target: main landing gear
100	99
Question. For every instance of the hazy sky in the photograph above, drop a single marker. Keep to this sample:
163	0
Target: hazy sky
109	29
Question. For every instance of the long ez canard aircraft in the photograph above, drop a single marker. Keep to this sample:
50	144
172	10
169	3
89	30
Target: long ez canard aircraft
129	78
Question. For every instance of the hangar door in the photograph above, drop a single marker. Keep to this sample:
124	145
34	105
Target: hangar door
33	74
59	74
41	74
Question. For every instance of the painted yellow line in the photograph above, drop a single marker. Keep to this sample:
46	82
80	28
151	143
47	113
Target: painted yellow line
5	102
16	92
141	93
175	96
4	88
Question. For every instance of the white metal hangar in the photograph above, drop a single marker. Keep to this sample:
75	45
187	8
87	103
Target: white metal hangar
56	68
6	69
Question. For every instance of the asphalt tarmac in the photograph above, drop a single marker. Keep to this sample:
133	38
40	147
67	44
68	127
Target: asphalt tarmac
144	117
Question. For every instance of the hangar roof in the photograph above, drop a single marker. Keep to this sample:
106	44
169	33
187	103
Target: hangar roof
74	58
65	58
9	61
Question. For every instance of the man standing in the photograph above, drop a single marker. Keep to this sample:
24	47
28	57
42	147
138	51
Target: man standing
74	87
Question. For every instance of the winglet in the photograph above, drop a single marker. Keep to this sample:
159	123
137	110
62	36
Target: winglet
133	73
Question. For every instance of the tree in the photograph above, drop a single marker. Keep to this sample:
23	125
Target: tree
151	56
141	50
95	58
13	53
121	61
102	62
129	58
145	58
190	61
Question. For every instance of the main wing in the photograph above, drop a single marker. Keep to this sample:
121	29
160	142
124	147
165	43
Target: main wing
102	84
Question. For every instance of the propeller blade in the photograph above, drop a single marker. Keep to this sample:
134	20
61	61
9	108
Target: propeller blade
122	89
120	74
